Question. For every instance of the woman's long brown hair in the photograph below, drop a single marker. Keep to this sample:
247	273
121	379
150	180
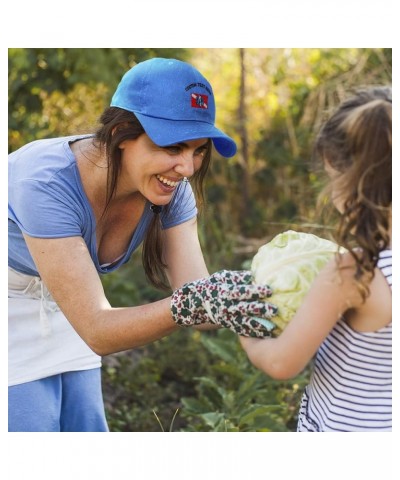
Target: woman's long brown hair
356	141
118	125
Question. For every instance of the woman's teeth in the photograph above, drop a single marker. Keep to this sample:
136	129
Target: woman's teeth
165	181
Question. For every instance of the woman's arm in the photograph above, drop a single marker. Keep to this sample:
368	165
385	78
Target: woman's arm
329	297
184	258
183	255
68	272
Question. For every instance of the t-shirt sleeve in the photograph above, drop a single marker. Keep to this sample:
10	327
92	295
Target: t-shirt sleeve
181	208
44	209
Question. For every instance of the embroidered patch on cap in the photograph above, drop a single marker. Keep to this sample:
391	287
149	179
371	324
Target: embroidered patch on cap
199	100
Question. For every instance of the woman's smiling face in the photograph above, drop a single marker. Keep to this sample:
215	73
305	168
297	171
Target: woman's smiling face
155	171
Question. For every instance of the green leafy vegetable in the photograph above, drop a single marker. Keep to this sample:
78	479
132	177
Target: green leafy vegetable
288	264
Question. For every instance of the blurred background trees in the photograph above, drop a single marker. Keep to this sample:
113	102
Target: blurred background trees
271	101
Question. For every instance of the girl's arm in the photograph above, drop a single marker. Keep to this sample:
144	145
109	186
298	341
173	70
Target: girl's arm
329	297
68	272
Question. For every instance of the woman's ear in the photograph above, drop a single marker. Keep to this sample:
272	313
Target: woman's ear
115	129
120	126
122	145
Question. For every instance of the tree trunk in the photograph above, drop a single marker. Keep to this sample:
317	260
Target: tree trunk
244	144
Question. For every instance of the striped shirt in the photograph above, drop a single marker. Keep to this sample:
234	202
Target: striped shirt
351	385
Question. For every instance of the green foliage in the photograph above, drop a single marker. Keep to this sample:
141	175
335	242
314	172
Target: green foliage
288	93
195	381
77	82
150	381
236	397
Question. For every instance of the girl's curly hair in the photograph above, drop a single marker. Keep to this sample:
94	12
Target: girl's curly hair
356	141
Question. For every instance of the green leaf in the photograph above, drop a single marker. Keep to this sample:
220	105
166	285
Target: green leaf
194	405
210	383
221	348
212	419
256	411
248	387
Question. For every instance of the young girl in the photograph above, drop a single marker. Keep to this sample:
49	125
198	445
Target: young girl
346	318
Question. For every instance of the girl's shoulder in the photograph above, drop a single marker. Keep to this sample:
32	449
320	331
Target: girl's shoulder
376	311
339	274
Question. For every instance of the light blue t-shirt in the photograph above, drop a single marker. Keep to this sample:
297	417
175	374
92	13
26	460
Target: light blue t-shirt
46	200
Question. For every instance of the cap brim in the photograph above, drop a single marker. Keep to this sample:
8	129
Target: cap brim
165	132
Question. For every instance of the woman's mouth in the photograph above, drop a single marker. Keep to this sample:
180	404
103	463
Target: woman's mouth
171	184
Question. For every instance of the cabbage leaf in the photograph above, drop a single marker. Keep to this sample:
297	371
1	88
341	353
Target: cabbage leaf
288	264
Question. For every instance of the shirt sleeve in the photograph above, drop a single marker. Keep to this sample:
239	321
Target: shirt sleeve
44	209
181	208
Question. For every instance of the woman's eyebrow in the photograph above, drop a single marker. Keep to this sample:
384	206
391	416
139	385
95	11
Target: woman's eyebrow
186	145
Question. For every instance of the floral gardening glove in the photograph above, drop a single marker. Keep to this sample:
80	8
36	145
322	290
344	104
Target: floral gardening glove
227	299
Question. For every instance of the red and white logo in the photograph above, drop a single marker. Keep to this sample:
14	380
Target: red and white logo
199	100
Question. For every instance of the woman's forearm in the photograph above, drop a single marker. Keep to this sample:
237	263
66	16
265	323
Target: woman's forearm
118	329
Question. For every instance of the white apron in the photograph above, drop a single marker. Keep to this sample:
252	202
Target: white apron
41	341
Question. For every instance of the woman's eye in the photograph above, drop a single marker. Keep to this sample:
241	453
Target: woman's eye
201	151
173	149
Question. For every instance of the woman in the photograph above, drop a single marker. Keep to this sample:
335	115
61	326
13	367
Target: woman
78	207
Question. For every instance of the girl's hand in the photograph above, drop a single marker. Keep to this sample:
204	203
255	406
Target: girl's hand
227	299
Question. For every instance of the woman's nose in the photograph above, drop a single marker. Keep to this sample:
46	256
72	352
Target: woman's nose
185	165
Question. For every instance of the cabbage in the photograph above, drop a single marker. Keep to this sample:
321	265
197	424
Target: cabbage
288	264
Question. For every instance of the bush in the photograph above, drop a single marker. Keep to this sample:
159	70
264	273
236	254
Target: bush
194	381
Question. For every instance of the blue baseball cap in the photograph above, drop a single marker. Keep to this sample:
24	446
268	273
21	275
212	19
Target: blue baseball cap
173	102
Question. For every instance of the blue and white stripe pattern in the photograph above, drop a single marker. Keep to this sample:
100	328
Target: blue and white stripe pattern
351	385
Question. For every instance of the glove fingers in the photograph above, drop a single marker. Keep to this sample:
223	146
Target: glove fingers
263	326
260	309
250	332
250	327
247	292
232	277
